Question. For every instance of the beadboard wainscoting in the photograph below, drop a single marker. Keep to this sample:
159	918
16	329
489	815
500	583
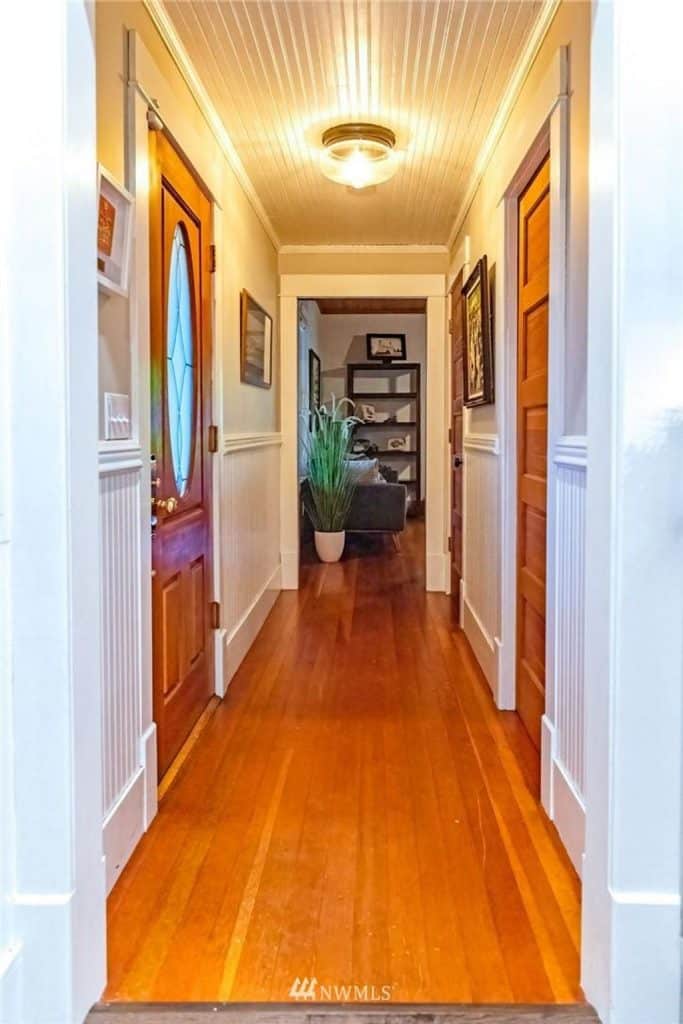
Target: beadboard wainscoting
481	551
250	530
563	733
128	744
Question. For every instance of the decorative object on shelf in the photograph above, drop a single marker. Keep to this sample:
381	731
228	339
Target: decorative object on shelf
331	484
368	413
363	446
256	343
478	340
314	381
359	155
398	444
386	347
114	222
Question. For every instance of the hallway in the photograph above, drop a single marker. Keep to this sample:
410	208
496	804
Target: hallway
357	811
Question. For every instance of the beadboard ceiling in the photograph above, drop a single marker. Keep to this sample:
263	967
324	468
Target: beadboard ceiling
280	71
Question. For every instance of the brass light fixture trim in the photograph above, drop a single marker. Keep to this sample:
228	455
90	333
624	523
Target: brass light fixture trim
360	131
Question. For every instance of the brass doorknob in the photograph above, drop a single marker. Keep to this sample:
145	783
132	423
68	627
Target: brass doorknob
167	505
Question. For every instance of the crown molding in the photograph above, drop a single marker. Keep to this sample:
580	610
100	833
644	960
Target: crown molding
187	69
384	250
529	54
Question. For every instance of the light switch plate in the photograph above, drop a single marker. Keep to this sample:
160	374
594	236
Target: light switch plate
116	416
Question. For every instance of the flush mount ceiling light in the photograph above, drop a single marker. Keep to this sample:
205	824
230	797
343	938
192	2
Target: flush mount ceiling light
359	155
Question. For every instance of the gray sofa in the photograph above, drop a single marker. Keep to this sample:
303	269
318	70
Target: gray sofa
376	508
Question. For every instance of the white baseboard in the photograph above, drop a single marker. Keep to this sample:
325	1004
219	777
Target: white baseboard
485	650
561	802
123	828
646	972
148	746
437	572
10	981
242	637
133	812
290	570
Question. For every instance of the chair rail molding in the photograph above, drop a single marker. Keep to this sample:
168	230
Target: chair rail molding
239	442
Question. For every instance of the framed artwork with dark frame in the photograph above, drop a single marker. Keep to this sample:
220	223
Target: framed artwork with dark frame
256	343
314	381
385	348
478	362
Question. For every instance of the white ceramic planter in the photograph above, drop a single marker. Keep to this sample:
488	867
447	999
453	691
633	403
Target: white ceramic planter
330	546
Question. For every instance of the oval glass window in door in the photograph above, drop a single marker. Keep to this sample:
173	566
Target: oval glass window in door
180	360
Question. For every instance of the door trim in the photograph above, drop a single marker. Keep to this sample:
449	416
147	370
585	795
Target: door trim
310	286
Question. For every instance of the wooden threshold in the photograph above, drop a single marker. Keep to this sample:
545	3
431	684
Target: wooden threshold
337	1013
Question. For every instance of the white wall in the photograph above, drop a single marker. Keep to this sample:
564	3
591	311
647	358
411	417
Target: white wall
52	916
341	340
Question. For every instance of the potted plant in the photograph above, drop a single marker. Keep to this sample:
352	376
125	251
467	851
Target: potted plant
330	484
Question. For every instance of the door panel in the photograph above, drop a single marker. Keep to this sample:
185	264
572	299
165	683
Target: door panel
532	448
180	237
457	393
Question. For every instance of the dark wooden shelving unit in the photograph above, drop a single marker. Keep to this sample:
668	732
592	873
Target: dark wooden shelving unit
388	372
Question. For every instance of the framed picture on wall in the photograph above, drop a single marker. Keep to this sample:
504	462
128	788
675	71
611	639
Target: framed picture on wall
114	222
478	361
386	348
314	381
256	343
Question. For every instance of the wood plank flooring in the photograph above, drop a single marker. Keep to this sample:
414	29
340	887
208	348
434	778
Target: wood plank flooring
355	811
249	1013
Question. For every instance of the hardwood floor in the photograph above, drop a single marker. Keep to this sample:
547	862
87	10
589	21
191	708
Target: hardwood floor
355	811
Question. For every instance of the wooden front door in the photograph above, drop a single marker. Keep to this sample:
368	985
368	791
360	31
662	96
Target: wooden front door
180	240
457	394
532	444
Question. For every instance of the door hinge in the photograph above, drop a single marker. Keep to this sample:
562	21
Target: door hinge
213	438
212	259
450	543
450	435
215	614
450	325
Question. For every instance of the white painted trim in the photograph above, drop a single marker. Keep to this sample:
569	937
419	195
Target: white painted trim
210	114
237	643
310	286
514	88
365	286
571	451
563	805
123	827
484	646
239	442
380	250
550	131
478	442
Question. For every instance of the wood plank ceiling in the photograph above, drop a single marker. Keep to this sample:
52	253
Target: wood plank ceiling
280	71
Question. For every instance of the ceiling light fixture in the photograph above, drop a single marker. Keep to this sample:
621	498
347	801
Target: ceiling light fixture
359	155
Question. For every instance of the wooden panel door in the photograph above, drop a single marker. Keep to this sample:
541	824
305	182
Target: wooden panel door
532	444
180	267
457	395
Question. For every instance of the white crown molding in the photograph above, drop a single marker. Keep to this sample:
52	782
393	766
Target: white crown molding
188	71
529	54
383	250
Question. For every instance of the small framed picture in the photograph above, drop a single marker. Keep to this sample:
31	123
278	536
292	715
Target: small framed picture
314	381
478	342
368	413
256	343
114	231
386	348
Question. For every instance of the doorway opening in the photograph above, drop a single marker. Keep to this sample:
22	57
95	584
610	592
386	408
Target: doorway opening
363	361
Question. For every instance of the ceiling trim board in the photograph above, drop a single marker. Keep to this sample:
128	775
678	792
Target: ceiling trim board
382	250
507	104
194	83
